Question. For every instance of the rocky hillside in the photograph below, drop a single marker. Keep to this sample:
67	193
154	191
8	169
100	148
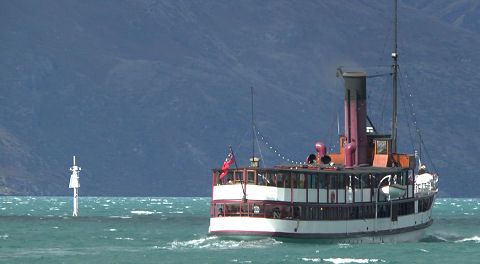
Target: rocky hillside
150	94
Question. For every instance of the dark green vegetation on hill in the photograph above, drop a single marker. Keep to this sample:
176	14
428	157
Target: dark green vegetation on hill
149	94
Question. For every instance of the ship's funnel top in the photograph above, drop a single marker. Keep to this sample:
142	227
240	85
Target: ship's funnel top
356	83
354	74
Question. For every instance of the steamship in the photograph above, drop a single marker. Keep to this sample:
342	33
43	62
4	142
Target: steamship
365	191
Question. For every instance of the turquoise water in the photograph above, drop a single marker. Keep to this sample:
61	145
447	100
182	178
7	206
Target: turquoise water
174	230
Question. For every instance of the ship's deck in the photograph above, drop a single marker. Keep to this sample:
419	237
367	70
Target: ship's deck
327	169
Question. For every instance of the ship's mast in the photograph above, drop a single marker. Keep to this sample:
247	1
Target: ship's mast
253	129
395	69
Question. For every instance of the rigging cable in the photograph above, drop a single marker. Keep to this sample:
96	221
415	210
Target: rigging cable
417	128
242	139
275	150
402	98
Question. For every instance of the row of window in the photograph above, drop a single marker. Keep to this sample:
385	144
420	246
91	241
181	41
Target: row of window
302	180
319	212
425	204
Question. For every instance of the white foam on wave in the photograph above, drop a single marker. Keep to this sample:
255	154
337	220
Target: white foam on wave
4	236
475	239
344	245
142	212
312	259
121	217
241	261
124	238
350	260
216	243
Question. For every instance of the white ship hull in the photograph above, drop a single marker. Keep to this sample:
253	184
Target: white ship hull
321	229
374	227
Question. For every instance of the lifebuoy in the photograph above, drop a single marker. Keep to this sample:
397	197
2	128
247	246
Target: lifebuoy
332	197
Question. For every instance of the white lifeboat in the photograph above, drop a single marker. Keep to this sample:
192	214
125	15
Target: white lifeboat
394	191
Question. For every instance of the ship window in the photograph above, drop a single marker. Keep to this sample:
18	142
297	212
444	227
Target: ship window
383	210
321	181
228	179
341	181
280	178
332	213
381	147
321	213
365	181
295	180
301	181
238	176
312	213
232	209
261	180
395	179
410	177
251	176
406	208
217	179
256	209
315	213
356	182
270	179
219	210
360	212
286	212
353	212
332	182
244	209
312	181
404	178
296	212
374	180
288	180
424	204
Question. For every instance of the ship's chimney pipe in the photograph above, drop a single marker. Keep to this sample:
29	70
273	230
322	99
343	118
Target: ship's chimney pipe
356	116
349	157
320	148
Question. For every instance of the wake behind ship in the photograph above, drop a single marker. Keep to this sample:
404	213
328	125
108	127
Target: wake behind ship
367	190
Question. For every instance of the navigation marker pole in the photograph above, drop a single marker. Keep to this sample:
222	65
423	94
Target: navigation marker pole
75	184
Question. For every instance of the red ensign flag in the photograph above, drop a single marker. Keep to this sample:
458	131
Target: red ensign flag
229	160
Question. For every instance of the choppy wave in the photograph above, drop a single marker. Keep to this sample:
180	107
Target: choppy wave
341	260
213	242
142	212
449	238
475	239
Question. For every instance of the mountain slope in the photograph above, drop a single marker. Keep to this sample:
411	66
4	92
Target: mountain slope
150	94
